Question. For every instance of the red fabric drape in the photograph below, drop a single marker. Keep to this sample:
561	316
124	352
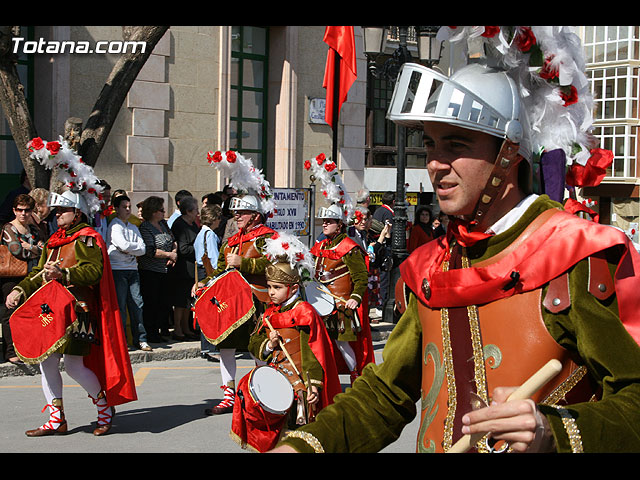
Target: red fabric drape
593	172
341	42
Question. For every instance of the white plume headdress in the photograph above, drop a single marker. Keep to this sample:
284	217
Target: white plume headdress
333	188
244	177
283	245
77	176
548	65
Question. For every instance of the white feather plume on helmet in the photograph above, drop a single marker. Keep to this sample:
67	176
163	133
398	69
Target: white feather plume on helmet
245	177
77	176
548	65
287	248
333	187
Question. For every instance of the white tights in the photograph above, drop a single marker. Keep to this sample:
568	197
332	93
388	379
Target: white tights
348	354
228	364
74	366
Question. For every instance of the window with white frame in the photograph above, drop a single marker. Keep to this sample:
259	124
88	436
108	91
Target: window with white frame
615	92
621	140
610	54
611	43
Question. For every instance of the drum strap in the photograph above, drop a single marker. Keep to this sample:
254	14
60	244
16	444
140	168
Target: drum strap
291	341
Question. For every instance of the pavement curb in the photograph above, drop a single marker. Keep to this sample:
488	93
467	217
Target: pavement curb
168	351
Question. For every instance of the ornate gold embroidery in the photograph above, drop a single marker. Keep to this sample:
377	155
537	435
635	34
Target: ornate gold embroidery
565	387
307	437
492	356
452	404
571	427
428	401
447	441
480	378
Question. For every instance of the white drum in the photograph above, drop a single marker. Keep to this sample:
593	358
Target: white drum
271	389
319	298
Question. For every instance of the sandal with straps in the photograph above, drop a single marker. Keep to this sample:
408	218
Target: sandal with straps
57	424
226	405
105	419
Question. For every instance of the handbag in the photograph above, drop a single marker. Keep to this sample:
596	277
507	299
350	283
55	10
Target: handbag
10	266
206	262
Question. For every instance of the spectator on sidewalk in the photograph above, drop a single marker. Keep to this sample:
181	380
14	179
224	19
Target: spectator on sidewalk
125	244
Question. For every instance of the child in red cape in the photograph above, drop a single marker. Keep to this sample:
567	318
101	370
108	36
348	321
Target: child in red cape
292	339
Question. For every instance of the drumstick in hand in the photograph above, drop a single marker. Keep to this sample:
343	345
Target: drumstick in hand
282	346
41	272
528	388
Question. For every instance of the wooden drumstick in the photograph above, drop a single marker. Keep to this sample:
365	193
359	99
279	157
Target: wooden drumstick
282	346
41	272
322	289
234	250
528	388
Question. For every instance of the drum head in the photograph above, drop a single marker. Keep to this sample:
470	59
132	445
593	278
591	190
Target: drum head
271	389
319	299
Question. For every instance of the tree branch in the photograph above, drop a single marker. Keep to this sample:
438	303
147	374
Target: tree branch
16	109
115	90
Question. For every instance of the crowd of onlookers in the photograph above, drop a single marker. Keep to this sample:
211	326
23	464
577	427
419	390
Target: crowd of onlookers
371	229
156	256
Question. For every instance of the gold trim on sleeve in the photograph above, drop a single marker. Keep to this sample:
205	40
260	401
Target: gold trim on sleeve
573	432
312	441
565	387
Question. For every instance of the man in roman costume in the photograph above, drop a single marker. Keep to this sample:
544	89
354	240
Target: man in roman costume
516	282
341	272
244	252
75	261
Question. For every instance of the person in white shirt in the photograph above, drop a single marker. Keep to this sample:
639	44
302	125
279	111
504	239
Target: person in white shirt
124	245
207	243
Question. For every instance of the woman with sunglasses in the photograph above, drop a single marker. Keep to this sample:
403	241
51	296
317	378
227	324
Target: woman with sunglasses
22	238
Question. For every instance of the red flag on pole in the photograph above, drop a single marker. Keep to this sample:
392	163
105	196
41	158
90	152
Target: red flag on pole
342	56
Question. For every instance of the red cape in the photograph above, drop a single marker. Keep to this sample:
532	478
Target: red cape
363	347
558	244
109	359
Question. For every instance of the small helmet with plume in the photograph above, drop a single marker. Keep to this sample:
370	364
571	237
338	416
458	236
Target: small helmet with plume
291	260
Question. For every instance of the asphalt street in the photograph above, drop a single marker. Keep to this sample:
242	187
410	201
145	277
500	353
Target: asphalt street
168	416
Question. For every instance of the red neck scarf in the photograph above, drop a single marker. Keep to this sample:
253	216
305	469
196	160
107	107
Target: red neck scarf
460	230
257	231
60	237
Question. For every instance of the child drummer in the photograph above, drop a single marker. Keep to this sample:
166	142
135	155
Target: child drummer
291	338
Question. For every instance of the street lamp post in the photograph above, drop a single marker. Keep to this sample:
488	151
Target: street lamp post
429	51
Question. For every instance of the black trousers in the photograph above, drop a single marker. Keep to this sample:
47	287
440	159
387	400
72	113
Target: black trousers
155	288
8	350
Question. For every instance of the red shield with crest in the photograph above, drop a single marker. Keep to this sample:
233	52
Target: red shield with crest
43	323
223	306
